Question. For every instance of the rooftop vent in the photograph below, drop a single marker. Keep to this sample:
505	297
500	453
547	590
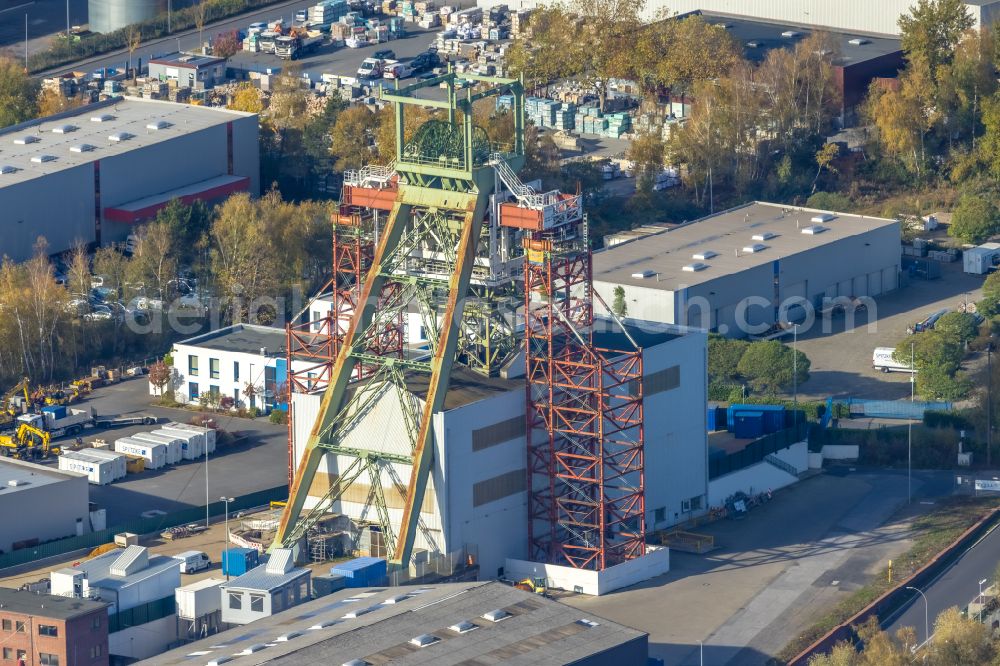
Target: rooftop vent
15	483
789	34
103	118
763	236
643	275
814	229
463	627
823	217
120	136
6	168
756	247
496	615
423	640
158	125
695	267
704	255
81	148
859	41
39	159
26	139
132	559
281	561
64	129
588	623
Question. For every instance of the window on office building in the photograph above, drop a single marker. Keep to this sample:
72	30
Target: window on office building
48	630
47	659
213	368
257	603
236	371
8	625
96	623
193	391
8	654
193	366
19	626
236	600
96	651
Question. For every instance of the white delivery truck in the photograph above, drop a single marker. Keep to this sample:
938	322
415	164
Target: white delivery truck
370	69
882	360
192	561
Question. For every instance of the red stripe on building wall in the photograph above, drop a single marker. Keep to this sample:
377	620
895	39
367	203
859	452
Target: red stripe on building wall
132	216
97	202
229	147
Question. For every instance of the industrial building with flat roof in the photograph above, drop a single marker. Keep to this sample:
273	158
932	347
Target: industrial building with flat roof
48	504
51	629
741	271
476	502
91	173
451	623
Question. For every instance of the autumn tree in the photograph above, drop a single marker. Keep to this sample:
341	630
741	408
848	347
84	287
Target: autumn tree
133	40
243	264
52	101
226	44
160	375
350	140
646	152
678	52
932	30
246	98
153	264
905	116
960	640
18	93
78	270
824	160
200	14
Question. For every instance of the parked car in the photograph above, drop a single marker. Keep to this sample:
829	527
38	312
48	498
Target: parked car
385	54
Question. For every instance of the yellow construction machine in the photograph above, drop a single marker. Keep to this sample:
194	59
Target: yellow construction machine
536	585
28	442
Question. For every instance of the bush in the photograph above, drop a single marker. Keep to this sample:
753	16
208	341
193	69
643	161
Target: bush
278	417
954	420
830	201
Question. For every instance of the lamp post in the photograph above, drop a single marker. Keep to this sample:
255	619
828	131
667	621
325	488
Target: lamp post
981	583
909	434
225	547
927	635
701	653
795	374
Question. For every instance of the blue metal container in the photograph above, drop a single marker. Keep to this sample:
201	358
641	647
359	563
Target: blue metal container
238	561
710	421
774	420
735	409
362	571
57	411
748	425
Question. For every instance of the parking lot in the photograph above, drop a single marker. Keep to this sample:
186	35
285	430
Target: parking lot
842	359
775	572
257	462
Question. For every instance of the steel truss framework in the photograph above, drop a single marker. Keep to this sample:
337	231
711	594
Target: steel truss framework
585	417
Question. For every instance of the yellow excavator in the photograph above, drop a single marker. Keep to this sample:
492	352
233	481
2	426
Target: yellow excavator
28	443
10	403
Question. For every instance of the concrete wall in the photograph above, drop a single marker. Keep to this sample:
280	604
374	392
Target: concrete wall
796	455
146	640
753	479
840	451
655	562
675	433
44	512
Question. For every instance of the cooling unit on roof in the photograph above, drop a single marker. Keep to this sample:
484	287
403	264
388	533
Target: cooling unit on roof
756	247
26	139
103	118
763	236
822	217
695	267
859	41
38	159
423	640
120	136
704	255
814	229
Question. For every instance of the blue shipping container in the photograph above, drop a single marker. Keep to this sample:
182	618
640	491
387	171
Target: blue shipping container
748	425
774	420
57	411
710	420
362	571
733	409
238	561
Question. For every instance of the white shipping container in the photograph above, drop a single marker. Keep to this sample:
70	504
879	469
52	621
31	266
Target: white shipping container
175	450
199	599
154	453
99	472
192	444
118	460
207	433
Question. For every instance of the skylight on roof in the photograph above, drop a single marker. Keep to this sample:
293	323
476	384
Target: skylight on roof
38	159
81	148
763	236
219	660
283	638
496	615
256	647
695	267
103	118
463	627
423	640
642	275
756	247
588	623
704	255
814	229
6	168
26	139
358	612
120	136
158	125
823	217
356	662
859	41
64	129
396	599
788	34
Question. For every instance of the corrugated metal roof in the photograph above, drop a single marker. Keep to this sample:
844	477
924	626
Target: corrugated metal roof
259	578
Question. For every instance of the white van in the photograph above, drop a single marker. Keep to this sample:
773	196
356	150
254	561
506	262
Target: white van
192	561
882	360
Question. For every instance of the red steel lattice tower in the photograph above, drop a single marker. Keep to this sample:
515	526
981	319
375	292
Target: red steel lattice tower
585	422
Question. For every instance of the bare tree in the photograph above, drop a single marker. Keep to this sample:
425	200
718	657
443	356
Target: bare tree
133	40
200	10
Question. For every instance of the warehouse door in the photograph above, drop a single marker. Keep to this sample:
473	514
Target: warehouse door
875	283
890	278
793	302
861	286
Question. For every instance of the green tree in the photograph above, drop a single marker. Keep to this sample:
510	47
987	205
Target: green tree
618	304
960	326
960	640
724	357
989	148
824	160
646	152
769	366
675	53
991	294
932	30
243	259
188	226
975	219
18	93
937	358
350	141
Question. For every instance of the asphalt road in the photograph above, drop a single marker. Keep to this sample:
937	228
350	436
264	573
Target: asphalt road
957	586
45	17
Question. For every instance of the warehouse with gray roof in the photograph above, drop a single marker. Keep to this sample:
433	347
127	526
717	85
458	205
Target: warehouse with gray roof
741	271
90	174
